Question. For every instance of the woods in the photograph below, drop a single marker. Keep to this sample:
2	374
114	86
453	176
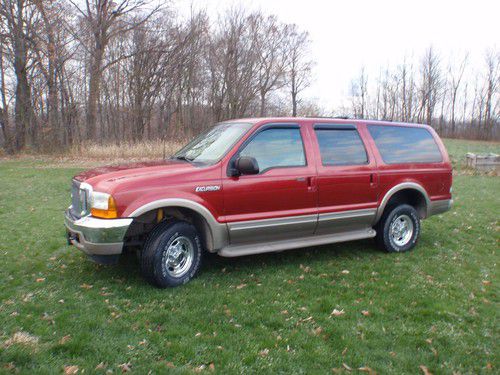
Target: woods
457	99
99	70
130	70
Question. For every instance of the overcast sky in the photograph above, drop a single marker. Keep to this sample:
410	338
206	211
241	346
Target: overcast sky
349	34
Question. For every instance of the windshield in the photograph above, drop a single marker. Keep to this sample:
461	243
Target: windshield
212	145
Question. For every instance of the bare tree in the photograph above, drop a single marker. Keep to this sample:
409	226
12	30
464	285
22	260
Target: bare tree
4	110
299	63
492	61
430	86
18	16
455	79
103	20
272	58
359	93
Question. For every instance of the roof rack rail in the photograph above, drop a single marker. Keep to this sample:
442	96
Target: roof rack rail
330	117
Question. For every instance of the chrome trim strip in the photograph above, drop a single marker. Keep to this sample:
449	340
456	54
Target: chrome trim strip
347	214
274	222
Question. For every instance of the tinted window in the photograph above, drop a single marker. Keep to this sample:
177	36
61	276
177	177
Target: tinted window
341	147
399	144
276	147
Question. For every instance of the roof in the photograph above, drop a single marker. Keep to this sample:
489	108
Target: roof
337	120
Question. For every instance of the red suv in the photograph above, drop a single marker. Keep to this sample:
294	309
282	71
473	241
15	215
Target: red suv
251	186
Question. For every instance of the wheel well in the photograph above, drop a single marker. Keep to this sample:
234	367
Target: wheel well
412	197
144	223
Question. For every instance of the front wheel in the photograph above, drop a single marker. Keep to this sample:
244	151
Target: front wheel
172	254
398	229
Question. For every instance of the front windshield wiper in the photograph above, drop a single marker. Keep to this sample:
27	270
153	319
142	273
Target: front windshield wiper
183	157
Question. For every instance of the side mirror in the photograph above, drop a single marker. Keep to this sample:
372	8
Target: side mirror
246	165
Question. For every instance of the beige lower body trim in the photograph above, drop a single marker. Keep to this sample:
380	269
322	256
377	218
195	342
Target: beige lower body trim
439	206
346	221
261	236
312	240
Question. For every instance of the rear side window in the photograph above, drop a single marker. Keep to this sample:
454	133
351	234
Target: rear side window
276	147
398	144
341	147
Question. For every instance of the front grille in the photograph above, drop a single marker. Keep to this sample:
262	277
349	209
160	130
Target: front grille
78	200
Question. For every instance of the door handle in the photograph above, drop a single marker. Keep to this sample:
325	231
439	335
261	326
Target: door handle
311	184
309	181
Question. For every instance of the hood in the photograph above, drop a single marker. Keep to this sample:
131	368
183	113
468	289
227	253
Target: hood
115	174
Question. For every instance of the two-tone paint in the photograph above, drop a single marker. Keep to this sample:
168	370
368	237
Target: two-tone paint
278	209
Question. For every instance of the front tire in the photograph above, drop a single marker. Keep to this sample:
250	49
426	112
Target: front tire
172	254
399	229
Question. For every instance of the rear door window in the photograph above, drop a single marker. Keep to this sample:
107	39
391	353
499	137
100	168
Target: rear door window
340	145
400	144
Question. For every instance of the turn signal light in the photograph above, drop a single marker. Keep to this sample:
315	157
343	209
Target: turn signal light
110	213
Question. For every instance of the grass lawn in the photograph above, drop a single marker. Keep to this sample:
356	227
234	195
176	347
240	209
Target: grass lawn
434	307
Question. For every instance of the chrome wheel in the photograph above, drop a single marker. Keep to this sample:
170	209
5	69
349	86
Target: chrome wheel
179	256
401	230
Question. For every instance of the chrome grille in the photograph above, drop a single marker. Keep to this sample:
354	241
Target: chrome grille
78	200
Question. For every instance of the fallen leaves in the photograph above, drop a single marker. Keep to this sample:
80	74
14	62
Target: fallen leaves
203	367
264	352
368	370
345	272
86	286
425	370
336	312
346	367
318	331
64	339
48	318
71	370
365	313
125	367
241	286
21	338
306	269
40	280
101	366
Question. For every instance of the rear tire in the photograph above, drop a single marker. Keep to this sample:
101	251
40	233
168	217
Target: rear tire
172	254
399	229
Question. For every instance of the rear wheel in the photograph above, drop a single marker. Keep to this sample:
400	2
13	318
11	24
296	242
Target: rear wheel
399	228
172	254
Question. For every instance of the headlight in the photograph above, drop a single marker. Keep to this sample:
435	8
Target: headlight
103	205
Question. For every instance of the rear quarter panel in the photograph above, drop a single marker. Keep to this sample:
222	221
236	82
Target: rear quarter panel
435	178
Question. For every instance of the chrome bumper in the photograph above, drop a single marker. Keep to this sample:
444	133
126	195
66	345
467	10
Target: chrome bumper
96	236
440	206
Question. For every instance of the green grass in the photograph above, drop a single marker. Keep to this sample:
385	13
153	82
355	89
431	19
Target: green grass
436	306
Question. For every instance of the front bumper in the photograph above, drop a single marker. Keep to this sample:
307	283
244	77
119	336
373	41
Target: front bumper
96	236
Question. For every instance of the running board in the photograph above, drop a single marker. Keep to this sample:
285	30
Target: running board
296	243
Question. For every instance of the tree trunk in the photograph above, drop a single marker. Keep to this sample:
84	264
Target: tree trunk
262	104
94	91
22	110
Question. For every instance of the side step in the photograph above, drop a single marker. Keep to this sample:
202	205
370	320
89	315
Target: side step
296	243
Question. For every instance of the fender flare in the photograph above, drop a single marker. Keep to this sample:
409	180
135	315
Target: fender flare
399	187
218	231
